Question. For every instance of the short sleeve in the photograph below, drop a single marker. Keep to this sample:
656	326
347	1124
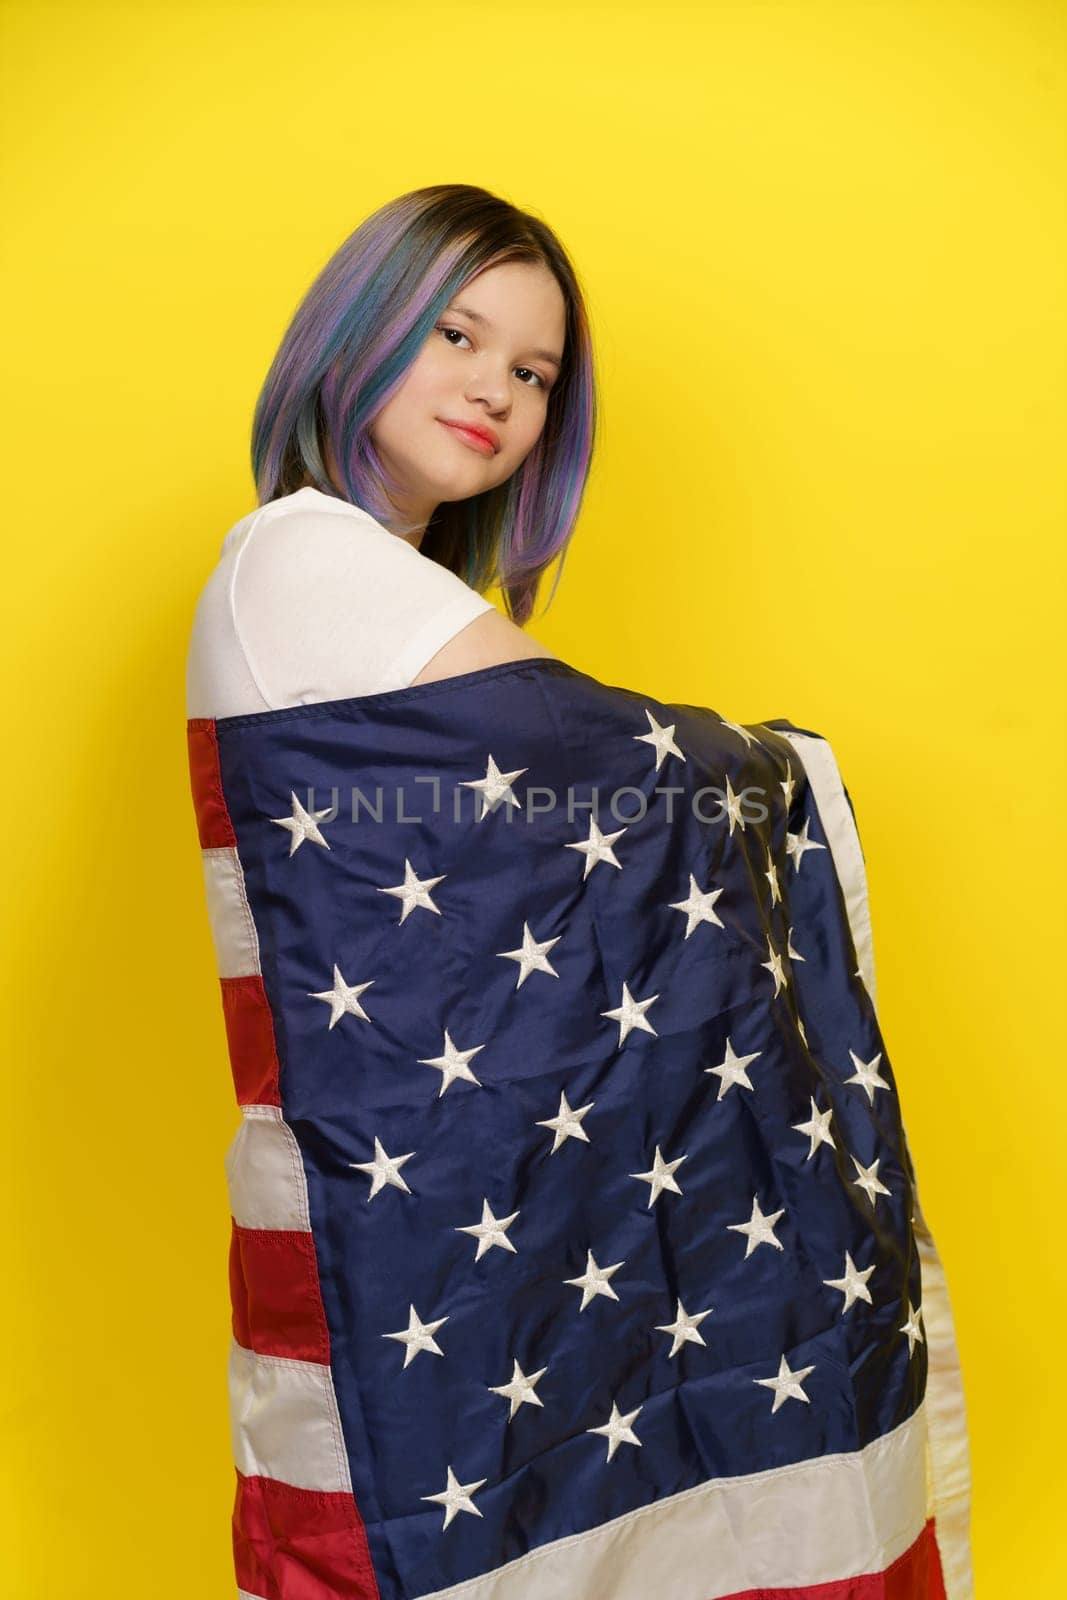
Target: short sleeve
328	605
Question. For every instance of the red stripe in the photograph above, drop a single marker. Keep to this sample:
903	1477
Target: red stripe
296	1544
274	1291
212	818
292	1544
916	1575
288	1543
250	1036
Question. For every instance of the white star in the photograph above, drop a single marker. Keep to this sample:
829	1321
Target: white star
869	1180
797	843
453	1064
344	997
567	1124
867	1075
771	876
733	807
912	1328
490	1231
774	966
618	1430
698	907
383	1169
794	955
817	1127
853	1285
661	737
494	787
786	1385
520	1389
418	1335
594	1280
532	956
303	825
597	847
749	738
414	891
456	1496
732	1069
683	1328
758	1229
788	786
630	1013
660	1177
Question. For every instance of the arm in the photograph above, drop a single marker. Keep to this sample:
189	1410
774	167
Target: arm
487	641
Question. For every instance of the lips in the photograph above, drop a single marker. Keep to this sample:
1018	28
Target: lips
475	433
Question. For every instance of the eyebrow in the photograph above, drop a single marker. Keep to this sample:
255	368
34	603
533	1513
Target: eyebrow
476	316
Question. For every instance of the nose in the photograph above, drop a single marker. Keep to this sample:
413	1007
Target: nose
490	385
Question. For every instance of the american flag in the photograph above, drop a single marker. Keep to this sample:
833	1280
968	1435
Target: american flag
576	1251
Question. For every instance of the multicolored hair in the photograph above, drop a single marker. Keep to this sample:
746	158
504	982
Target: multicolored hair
353	337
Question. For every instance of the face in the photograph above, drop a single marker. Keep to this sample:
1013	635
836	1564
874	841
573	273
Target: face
490	361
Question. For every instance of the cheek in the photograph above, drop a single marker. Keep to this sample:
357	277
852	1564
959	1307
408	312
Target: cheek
393	424
528	426
423	383
433	373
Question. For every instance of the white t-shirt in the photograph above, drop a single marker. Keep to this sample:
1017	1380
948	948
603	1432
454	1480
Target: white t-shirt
313	599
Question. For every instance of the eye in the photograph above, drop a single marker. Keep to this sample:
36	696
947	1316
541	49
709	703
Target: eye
539	382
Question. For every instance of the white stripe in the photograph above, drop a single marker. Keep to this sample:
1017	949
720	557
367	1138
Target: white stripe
243	1594
284	1422
948	1464
232	928
265	1173
817	758
817	1521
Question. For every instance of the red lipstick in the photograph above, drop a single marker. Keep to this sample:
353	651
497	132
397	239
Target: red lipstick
474	434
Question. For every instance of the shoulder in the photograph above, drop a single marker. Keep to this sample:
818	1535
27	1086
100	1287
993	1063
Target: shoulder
326	555
286	535
326	603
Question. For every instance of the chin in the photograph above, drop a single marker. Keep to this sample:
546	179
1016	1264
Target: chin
457	480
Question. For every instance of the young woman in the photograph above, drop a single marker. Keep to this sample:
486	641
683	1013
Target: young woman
466	434
576	1249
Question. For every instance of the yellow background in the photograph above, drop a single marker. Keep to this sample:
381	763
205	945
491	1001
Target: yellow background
823	246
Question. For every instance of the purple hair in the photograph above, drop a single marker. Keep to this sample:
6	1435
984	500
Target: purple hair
353	337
